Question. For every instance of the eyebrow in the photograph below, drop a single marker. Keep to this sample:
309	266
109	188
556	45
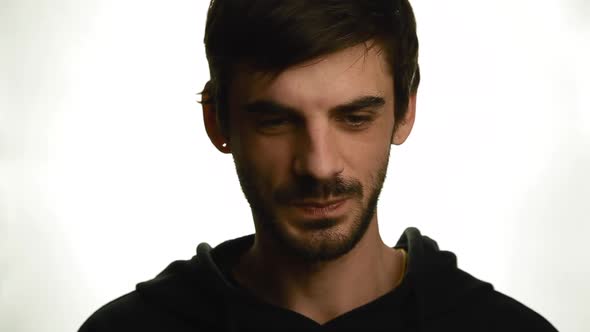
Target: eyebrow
360	104
269	107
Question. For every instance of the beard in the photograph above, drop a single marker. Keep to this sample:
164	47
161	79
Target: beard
324	239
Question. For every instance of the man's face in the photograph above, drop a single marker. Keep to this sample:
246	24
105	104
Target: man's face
318	132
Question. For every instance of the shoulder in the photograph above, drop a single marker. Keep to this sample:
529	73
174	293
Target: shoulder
172	301
132	312
494	311
121	314
183	297
508	314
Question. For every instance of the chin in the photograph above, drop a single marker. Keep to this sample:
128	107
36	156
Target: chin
317	240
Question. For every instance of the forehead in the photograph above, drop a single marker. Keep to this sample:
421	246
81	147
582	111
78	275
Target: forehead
318	84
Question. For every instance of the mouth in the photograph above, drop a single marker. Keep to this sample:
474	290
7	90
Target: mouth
320	209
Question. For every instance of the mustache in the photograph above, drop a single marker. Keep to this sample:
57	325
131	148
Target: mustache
308	187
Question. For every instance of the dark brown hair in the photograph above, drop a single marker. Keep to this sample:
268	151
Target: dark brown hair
272	35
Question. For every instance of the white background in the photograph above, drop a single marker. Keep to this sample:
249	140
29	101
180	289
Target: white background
106	173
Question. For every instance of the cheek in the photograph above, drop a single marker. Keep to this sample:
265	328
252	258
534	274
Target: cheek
365	161
366	171
270	161
362	151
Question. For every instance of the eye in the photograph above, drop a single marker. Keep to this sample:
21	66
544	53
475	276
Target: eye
273	122
356	121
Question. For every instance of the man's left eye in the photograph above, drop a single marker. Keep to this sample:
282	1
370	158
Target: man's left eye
356	120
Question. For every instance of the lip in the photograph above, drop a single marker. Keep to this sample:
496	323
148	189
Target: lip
322	209
318	204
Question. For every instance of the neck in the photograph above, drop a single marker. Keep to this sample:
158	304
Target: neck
325	290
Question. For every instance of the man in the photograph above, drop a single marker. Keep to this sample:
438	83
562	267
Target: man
308	97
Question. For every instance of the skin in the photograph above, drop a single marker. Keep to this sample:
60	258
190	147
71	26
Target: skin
320	267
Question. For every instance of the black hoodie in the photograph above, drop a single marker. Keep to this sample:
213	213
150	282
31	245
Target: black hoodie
200	295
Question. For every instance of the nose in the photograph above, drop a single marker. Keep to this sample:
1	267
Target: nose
318	154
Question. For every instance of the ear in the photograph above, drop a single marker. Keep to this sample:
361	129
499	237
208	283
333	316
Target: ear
210	119
403	129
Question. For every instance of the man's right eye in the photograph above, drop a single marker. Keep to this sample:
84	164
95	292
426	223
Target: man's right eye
274	122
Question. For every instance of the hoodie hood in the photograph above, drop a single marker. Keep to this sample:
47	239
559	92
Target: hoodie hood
202	293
